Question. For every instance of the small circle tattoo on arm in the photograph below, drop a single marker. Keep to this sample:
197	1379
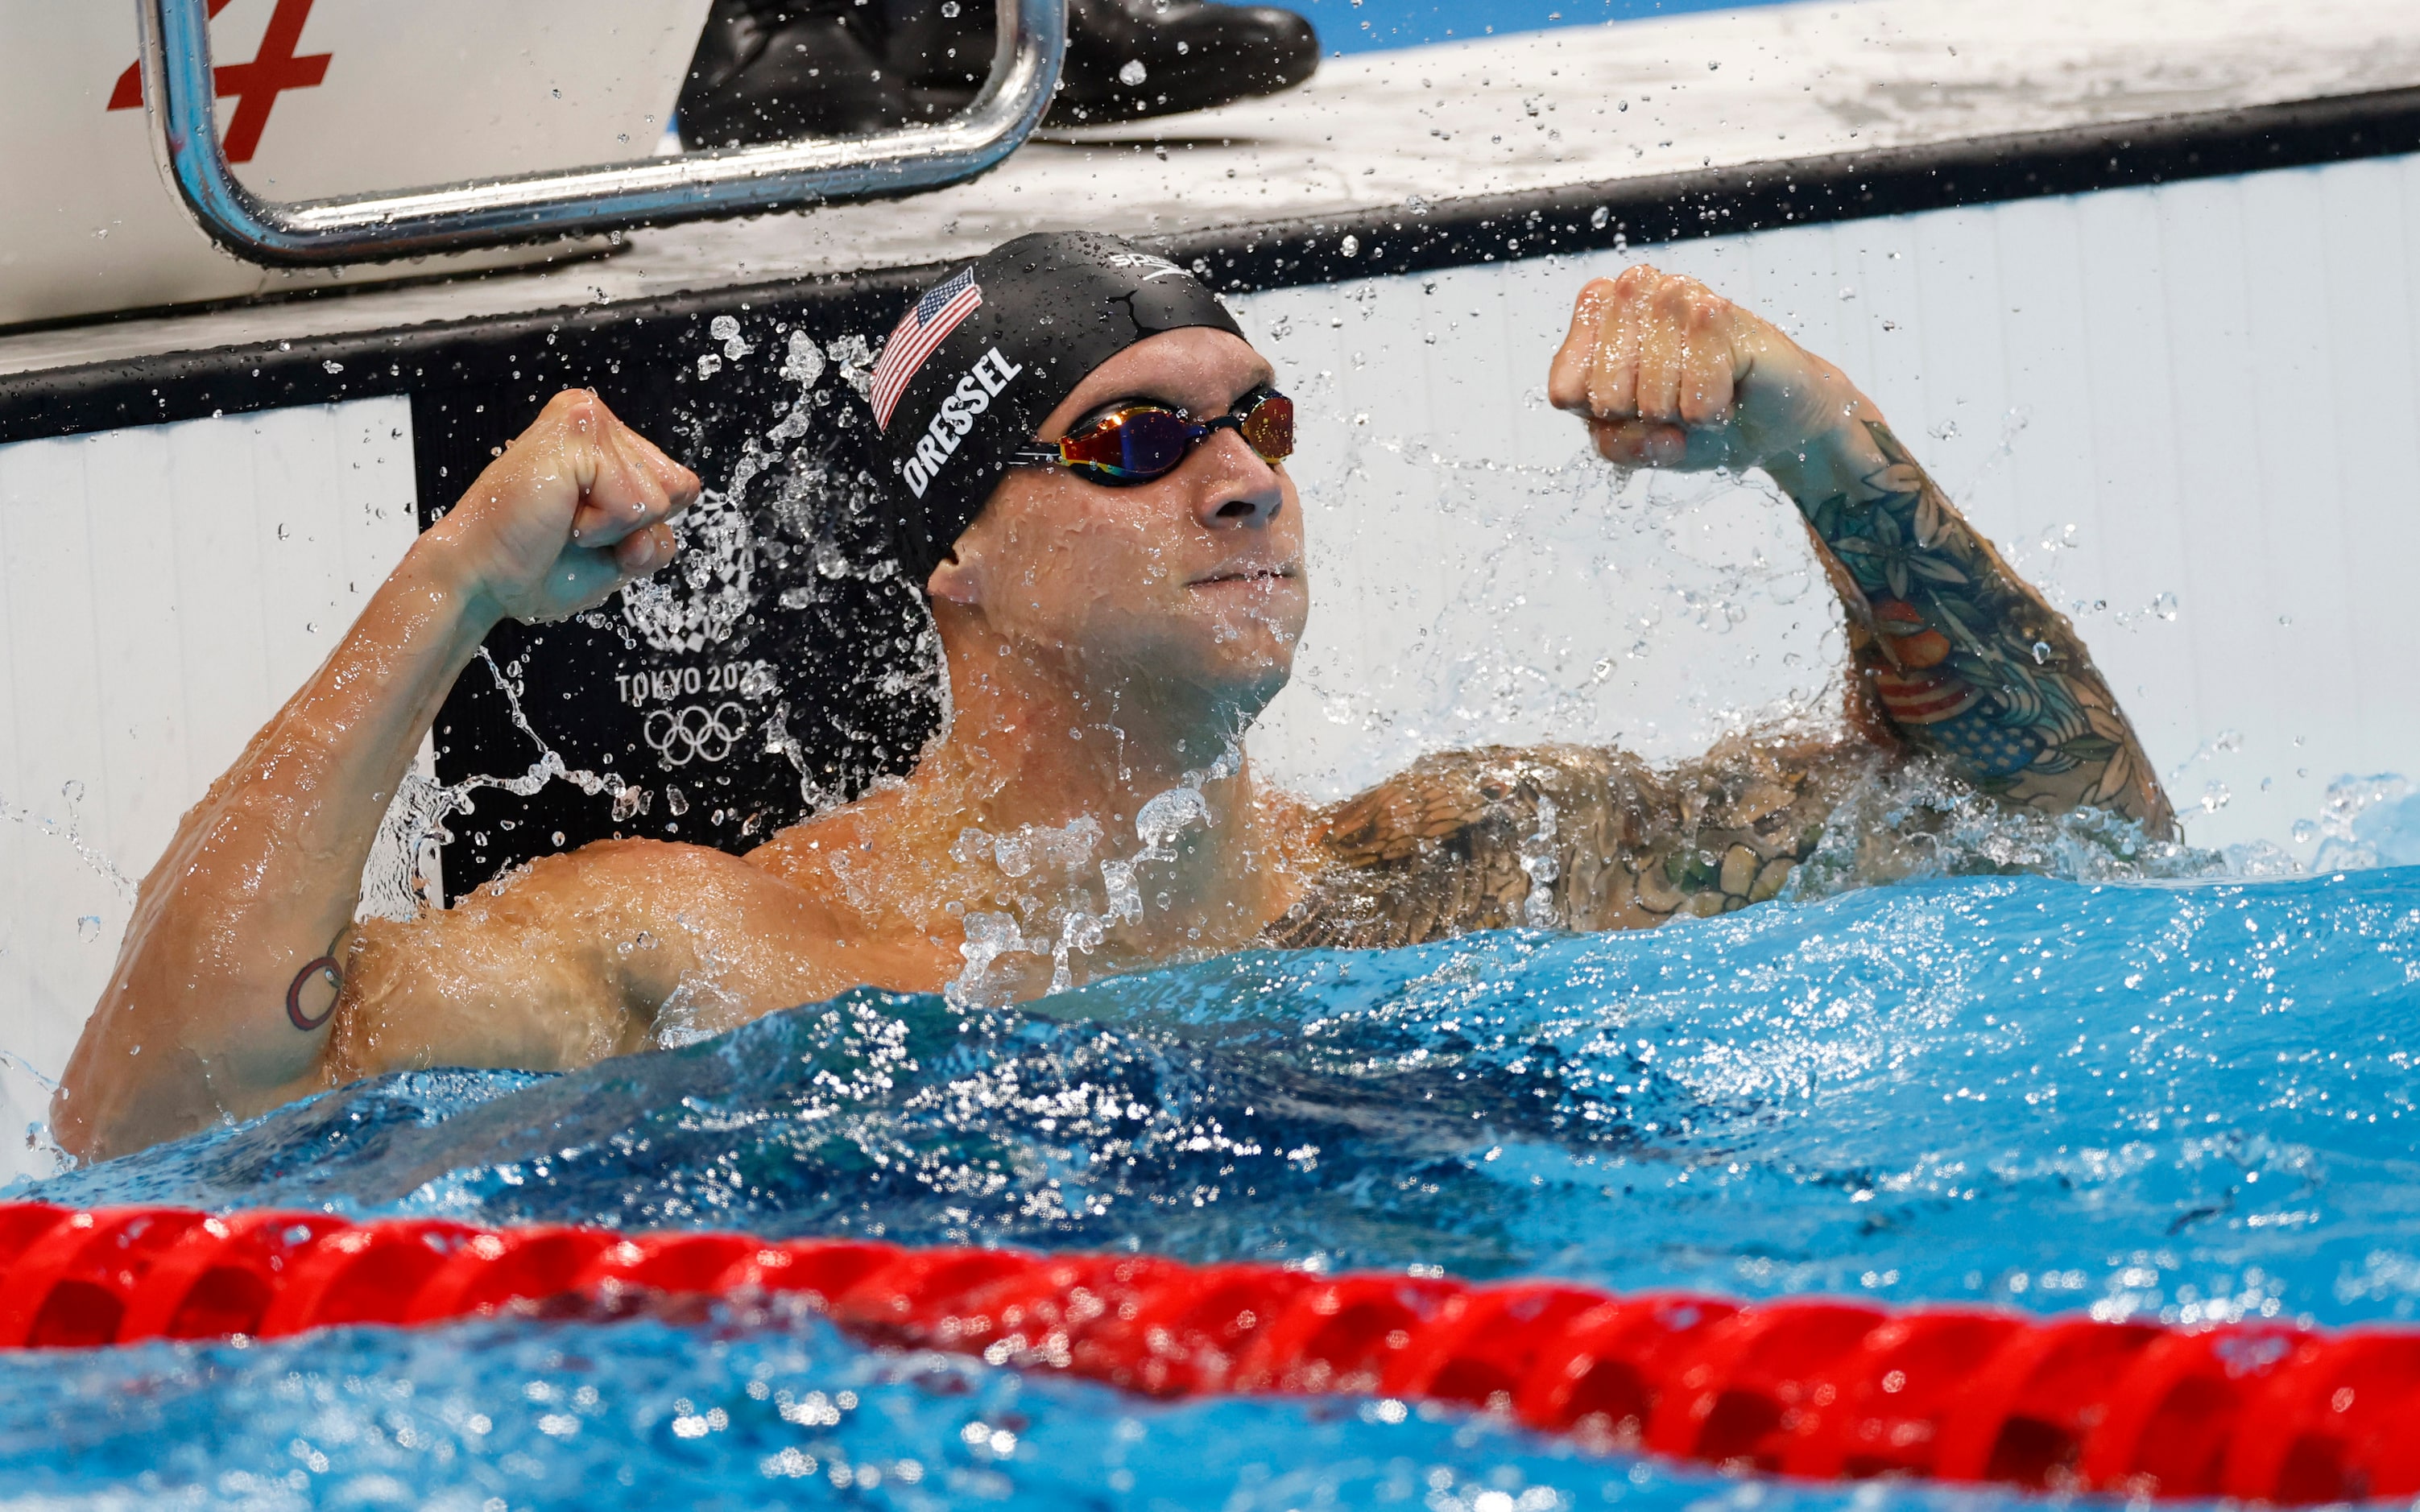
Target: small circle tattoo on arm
326	965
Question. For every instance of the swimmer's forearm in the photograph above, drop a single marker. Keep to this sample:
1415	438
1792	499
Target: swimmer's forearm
1965	659
262	878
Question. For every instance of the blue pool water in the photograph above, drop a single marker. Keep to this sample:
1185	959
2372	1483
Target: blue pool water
2181	1100
1368	25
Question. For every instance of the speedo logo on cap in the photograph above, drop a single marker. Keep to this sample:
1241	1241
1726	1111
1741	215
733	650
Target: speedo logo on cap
917	333
955	417
1153	269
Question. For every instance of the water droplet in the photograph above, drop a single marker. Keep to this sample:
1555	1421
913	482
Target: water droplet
1131	73
2041	651
708	365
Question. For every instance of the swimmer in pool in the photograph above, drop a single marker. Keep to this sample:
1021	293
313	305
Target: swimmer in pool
1091	480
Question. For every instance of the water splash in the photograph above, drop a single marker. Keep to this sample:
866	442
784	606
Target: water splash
1541	866
1918	820
1686	555
2364	822
1060	920
706	590
395	876
70	829
816	505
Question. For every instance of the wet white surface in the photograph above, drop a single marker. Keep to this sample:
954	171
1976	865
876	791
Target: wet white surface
1540	110
469	88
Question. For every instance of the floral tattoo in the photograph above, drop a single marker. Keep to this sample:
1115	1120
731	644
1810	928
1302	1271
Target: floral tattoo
1966	661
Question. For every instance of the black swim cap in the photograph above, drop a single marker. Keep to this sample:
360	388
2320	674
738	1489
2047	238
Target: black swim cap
980	361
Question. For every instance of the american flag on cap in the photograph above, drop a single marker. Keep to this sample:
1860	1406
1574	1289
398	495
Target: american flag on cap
919	332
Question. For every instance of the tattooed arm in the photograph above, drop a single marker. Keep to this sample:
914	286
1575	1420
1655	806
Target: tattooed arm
1567	836
1962	658
1952	656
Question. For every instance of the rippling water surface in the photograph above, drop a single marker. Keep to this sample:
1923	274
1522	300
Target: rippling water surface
2183	1101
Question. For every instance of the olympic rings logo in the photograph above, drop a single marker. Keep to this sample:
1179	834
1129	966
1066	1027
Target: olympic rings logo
695	734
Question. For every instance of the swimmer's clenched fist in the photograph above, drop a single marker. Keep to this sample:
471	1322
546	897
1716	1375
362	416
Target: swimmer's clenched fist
579	505
1669	374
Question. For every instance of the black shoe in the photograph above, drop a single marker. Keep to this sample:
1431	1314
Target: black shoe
771	70
1128	59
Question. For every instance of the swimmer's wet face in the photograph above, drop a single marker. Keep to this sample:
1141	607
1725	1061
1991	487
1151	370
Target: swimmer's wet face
1191	581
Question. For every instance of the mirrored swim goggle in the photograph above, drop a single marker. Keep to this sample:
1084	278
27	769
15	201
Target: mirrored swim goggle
1142	442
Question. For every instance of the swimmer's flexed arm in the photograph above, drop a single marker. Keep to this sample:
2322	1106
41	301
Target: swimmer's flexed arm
1961	656
225	993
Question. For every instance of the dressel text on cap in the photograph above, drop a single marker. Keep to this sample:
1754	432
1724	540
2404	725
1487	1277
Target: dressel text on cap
973	394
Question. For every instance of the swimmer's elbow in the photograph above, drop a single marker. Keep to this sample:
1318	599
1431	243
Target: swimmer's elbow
161	1091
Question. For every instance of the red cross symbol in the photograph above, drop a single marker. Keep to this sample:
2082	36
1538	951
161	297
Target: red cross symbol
255	84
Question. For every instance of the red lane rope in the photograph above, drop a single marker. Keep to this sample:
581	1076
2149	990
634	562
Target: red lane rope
1817	1388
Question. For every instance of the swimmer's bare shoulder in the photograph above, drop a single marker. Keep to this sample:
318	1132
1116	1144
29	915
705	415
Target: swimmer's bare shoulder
1567	836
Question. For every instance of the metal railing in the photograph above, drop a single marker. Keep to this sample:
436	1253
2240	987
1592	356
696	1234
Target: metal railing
180	93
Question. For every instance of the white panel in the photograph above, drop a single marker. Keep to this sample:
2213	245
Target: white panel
2192	414
162	589
465	90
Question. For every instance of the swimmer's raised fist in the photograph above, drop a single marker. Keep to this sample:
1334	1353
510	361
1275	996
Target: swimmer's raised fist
1671	374
578	506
